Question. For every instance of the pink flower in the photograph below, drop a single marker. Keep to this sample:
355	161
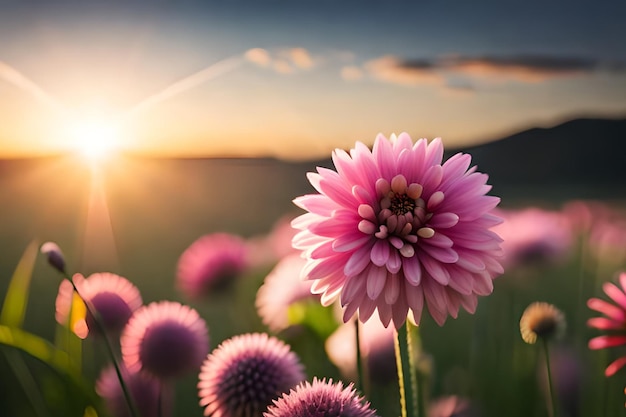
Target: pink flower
268	249
211	262
165	339
377	349
145	391
282	287
534	235
614	321
321	398
245	373
394	228
113	297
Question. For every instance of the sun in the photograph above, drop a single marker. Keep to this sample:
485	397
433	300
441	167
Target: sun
95	139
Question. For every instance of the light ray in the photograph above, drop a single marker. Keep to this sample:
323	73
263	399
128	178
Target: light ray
19	80
222	67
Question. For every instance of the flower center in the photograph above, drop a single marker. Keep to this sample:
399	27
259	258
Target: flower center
401	204
403	215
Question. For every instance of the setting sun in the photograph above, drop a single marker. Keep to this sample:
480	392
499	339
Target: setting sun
95	139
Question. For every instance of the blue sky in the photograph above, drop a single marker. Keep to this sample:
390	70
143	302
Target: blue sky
299	78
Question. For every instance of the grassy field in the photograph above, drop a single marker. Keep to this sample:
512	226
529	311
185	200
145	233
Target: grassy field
157	208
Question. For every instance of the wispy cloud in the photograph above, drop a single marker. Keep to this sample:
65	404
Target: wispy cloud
392	69
283	61
518	68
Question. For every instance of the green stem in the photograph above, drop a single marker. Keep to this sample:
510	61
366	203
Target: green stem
107	342
359	364
404	363
550	385
417	380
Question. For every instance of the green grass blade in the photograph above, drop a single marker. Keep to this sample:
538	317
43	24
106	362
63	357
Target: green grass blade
16	299
42	350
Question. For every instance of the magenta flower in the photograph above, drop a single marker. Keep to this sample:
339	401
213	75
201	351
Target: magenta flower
166	339
210	263
394	228
534	235
282	288
614	321
321	398
245	373
113	297
269	248
144	389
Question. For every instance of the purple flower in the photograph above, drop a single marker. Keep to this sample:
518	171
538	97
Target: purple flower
210	263
166	339
320	399
145	391
54	255
282	287
394	228
113	297
245	373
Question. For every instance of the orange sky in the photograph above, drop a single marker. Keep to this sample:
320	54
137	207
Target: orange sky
190	82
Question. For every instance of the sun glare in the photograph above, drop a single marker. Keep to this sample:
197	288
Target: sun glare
95	139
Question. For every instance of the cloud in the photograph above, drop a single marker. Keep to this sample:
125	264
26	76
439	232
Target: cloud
522	68
283	61
392	69
351	73
516	68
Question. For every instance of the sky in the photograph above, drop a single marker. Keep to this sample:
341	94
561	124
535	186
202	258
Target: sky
296	79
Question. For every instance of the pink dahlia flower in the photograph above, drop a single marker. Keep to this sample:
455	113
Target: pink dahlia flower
245	373
394	228
614	321
282	287
321	398
113	297
166	339
146	391
210	263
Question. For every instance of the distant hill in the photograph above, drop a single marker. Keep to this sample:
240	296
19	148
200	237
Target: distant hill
576	159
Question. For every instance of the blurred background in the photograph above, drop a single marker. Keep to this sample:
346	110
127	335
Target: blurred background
130	129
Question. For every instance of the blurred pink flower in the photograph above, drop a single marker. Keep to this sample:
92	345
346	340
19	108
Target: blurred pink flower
114	298
394	228
534	235
210	263
166	339
275	245
321	398
145	391
245	373
607	241
282	287
451	406
377	349
614	321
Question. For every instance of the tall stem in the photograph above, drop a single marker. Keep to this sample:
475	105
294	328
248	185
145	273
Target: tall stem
359	364
109	346
407	380
549	372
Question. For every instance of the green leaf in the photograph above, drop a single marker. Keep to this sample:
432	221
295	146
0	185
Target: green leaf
57	360
16	298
